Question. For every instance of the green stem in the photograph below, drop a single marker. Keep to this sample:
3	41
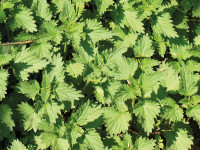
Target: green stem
65	50
159	122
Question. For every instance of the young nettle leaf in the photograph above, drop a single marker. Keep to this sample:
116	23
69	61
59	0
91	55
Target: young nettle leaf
116	121
2	16
52	110
50	32
30	89
17	145
143	47
6	121
169	77
92	140
30	117
125	68
86	113
149	82
26	62
194	112
3	80
189	81
144	144
41	8
5	59
171	110
43	50
103	5
96	32
147	111
22	18
64	92
180	52
75	69
179	138
162	24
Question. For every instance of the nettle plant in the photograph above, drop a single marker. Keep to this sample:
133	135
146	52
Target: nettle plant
99	74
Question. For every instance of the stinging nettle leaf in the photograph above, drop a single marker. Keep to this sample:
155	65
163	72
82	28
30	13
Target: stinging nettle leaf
116	121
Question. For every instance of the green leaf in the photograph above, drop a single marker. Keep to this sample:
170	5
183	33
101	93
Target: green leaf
30	117
96	32
60	144
103	5
55	70
74	133
194	112
179	139
45	140
6	117
2	16
143	47
144	144
75	69
50	32
64	92
116	121
169	77
17	145
149	83
5	59
147	111
147	64
41	49
162	24
30	89
3	80
171	110
26	62
41	8
92	140
180	52
23	18
45	86
52	110
131	20
125	68
86	113
188	82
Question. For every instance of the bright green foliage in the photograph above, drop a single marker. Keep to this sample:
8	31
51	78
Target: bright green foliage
41	9
125	68
26	62
149	87
147	111
96	32
30	89
17	145
194	113
5	59
92	140
3	80
163	25
116	121
171	110
65	92
178	139
99	74
23	18
170	78
86	113
75	69
6	121
189	82
144	144
30	117
143	47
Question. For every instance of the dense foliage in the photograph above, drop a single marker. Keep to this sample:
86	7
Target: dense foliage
99	74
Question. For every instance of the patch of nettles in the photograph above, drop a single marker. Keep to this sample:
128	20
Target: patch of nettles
99	74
